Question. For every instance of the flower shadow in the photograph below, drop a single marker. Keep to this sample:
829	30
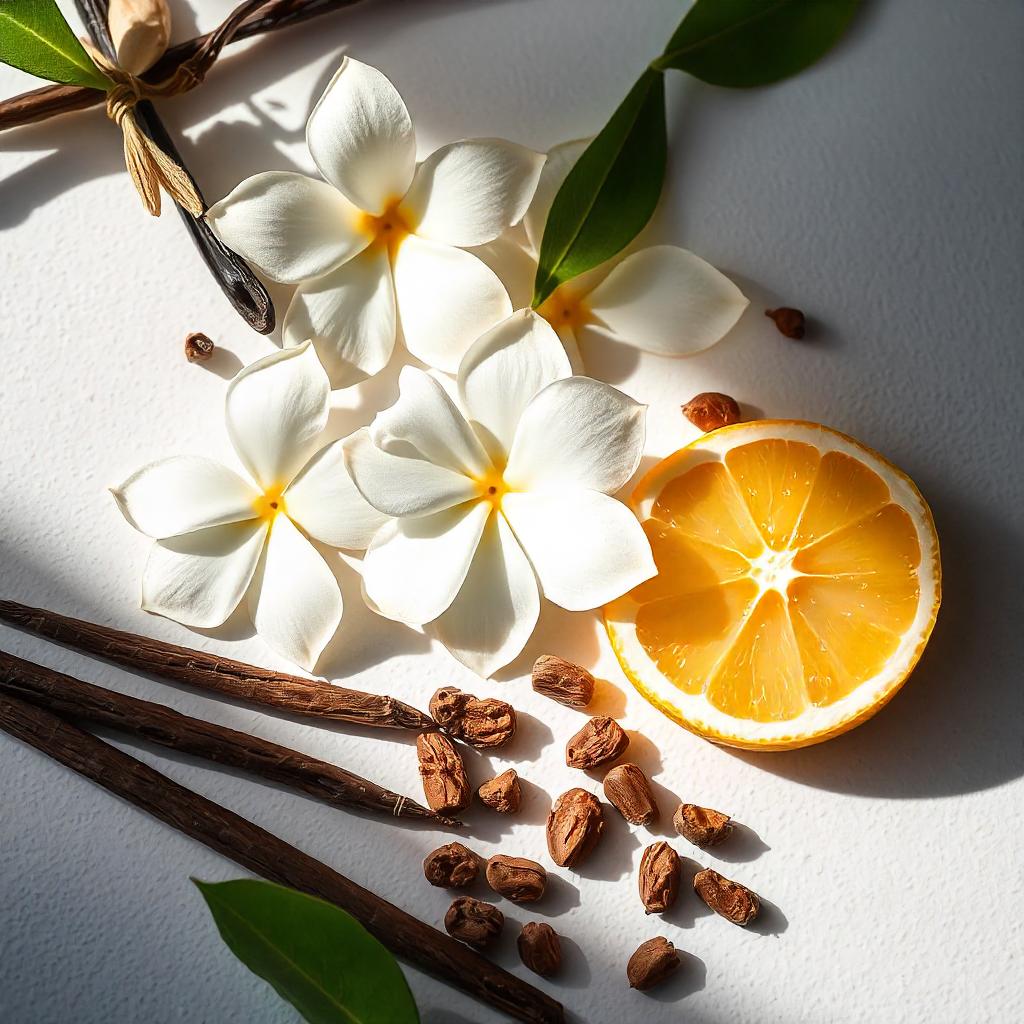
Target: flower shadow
364	639
574	636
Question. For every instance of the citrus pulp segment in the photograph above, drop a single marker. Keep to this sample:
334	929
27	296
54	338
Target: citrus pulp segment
798	582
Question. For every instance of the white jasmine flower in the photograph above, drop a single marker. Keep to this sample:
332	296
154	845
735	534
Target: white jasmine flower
381	240
221	537
661	299
504	502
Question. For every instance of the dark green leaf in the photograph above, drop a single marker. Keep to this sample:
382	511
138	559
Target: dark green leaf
743	43
35	38
317	957
611	191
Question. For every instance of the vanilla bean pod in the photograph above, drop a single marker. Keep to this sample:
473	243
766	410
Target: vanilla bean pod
308	697
241	286
52	100
265	854
71	698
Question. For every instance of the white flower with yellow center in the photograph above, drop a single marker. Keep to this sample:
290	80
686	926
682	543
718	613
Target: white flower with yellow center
662	299
503	502
381	241
221	538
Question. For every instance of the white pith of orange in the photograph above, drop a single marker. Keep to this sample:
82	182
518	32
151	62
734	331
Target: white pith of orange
799	581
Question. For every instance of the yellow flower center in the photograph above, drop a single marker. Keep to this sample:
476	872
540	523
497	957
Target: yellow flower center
270	503
388	230
564	309
493	488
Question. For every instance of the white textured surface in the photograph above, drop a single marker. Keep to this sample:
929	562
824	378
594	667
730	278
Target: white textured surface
882	193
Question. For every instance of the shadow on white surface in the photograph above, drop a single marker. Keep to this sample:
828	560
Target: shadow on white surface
742	845
770	920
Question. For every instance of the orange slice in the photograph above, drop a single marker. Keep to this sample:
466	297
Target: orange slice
798	583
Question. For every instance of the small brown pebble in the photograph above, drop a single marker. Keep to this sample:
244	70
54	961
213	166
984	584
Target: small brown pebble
540	948
502	793
442	773
659	878
480	723
731	900
473	921
790	322
453	866
627	788
653	962
198	347
516	878
561	680
703	826
711	409
574	827
599	741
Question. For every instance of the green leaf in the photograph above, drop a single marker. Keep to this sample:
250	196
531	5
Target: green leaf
743	43
317	957
34	37
611	191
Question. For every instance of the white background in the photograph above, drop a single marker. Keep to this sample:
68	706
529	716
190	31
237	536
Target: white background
881	192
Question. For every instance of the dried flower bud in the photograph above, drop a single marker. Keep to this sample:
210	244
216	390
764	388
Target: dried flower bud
711	409
502	794
653	962
574	827
600	740
540	949
561	680
731	900
452	866
627	788
701	825
473	921
442	773
140	30
198	348
790	322
516	878
480	723
659	878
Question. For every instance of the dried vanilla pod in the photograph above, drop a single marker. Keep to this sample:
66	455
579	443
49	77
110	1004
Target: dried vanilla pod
711	409
729	899
474	922
702	826
574	827
628	790
452	866
564	681
658	879
653	962
502	793
480	723
442	773
540	948
600	740
516	878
